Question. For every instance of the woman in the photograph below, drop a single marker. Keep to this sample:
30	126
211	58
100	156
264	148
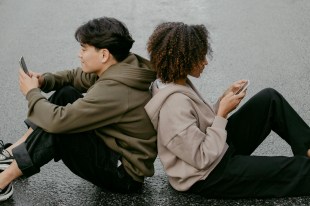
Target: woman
203	151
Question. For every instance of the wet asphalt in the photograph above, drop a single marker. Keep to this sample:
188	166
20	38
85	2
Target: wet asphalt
261	40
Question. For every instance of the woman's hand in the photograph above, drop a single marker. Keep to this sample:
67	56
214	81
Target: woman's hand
234	87
26	83
230	101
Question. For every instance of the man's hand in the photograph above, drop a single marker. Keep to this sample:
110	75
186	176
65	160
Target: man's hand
38	76
26	83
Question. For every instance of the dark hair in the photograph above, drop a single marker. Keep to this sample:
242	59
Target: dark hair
108	33
176	49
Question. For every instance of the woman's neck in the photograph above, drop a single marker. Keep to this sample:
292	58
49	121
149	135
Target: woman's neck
180	81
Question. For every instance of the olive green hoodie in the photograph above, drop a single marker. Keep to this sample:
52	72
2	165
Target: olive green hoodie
113	106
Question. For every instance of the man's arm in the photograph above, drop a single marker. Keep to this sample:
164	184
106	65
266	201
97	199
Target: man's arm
76	77
103	104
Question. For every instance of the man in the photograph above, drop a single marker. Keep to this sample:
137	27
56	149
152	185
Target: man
103	136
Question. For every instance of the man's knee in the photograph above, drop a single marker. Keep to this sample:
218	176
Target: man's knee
65	95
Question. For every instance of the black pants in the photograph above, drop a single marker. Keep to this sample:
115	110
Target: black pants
240	175
84	154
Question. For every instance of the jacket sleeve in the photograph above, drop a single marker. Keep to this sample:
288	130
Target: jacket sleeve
75	77
216	106
99	107
187	141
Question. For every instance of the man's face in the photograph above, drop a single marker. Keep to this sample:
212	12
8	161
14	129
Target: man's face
91	59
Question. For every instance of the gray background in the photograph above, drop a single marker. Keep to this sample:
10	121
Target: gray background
261	40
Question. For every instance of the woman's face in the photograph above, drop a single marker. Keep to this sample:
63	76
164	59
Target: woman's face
199	69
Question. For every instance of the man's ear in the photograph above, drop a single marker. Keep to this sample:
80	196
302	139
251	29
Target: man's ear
106	55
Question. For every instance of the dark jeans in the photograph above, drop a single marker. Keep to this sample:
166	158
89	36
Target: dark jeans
84	154
240	175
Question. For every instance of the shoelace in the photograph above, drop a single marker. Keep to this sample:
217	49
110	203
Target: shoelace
3	151
1	146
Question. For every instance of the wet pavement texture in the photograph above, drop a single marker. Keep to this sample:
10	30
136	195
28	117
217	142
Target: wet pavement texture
261	40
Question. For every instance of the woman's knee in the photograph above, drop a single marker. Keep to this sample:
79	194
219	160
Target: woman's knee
266	97
270	93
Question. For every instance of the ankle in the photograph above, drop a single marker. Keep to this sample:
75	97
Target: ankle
4	188
308	153
3	183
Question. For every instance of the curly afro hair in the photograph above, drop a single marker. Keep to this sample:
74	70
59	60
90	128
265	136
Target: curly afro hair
176	49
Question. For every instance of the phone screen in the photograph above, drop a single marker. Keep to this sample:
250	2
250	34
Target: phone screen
23	65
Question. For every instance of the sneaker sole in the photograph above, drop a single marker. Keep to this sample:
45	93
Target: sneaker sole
7	195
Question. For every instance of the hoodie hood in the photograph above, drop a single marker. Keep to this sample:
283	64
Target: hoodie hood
162	93
134	71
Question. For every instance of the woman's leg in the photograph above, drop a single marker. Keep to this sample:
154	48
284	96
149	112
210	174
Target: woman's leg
241	175
265	112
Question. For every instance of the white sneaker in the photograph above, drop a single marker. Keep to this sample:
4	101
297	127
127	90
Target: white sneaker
5	156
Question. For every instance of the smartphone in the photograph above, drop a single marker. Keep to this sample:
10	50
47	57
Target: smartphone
243	87
23	65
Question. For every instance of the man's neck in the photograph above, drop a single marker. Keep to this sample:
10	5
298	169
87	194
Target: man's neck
106	66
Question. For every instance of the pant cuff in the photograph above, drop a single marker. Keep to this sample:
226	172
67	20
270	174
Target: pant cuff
24	161
30	124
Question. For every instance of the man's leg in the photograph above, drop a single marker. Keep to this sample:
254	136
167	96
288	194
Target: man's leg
87	156
9	174
84	153
61	97
21	140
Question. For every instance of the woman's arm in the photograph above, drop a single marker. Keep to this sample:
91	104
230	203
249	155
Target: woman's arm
191	131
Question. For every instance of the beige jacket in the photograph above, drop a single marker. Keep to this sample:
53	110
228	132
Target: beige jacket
191	138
